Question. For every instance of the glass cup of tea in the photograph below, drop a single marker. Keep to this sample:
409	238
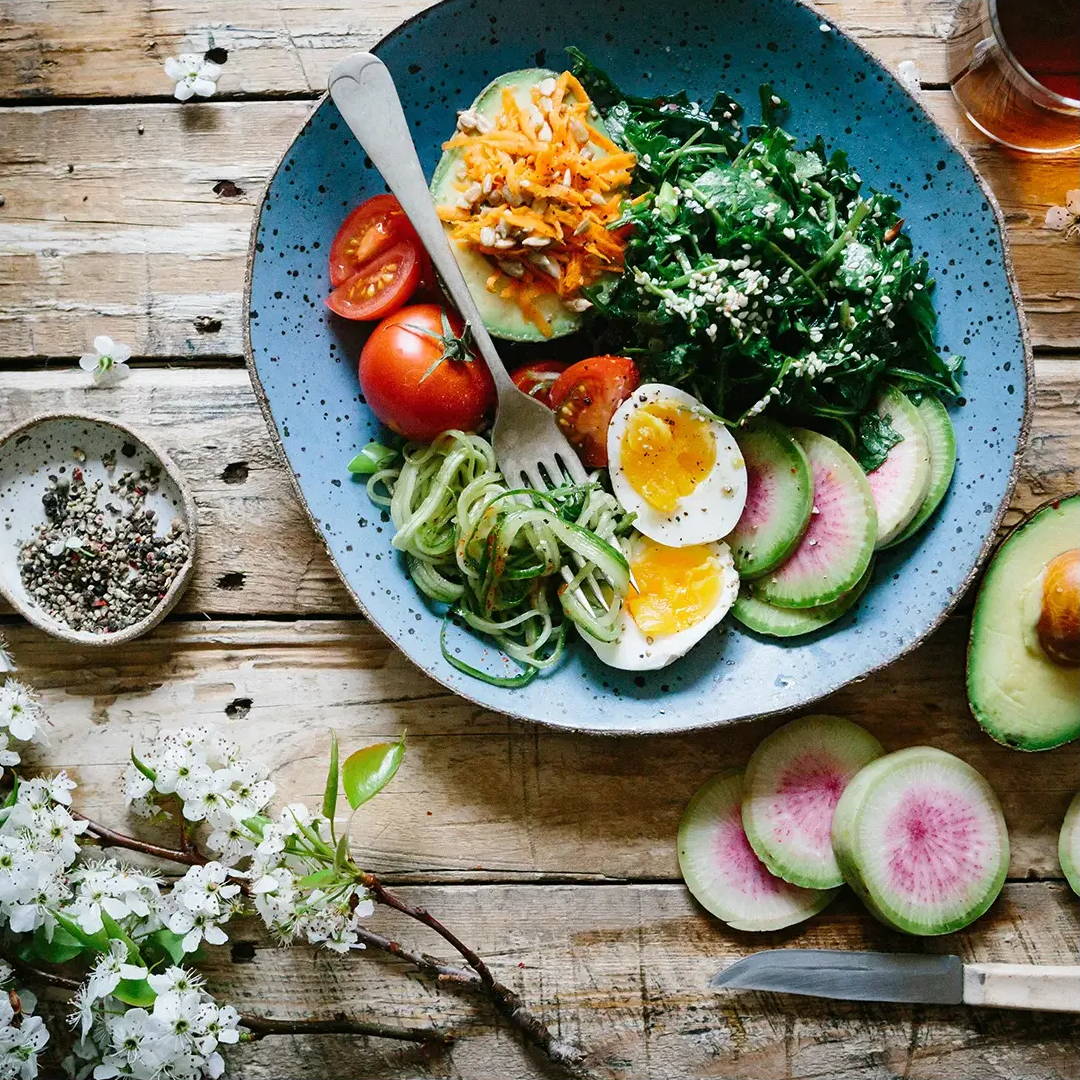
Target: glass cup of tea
1014	68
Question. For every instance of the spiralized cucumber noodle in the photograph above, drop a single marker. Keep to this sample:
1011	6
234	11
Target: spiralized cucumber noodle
516	564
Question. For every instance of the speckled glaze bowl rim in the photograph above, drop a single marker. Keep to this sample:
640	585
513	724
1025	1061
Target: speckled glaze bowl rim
84	637
985	549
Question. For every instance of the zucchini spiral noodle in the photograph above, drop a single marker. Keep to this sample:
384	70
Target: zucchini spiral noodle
513	563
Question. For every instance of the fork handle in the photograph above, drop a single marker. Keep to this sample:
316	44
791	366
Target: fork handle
364	92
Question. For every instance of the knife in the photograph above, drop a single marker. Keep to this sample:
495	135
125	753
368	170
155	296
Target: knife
878	976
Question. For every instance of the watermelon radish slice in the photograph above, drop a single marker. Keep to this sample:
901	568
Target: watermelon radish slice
779	497
902	481
835	550
1069	845
920	836
792	784
774	621
939	428
723	873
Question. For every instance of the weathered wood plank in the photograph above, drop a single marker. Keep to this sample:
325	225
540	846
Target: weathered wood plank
68	48
258	553
623	971
111	224
550	804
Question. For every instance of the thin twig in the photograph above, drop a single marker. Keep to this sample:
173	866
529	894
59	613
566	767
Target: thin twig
507	1001
112	838
261	1026
40	974
430	964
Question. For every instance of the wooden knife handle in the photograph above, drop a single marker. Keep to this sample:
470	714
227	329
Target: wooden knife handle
1023	986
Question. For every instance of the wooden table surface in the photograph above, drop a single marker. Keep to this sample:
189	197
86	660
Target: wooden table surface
553	854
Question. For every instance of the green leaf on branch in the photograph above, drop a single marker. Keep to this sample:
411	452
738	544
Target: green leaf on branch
143	767
366	772
317	879
137	992
333	775
59	950
98	941
164	945
341	852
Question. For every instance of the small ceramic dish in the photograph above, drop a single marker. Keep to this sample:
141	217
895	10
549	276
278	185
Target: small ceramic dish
52	445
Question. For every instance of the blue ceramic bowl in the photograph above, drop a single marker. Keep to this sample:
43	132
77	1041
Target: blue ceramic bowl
303	360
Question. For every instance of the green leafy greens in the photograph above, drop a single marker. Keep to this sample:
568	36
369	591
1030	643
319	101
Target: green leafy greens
759	275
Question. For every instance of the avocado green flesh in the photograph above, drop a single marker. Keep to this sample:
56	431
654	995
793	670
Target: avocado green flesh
1017	693
503	318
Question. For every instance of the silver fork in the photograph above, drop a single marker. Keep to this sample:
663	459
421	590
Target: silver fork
529	447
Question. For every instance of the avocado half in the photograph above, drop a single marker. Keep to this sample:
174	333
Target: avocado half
503	318
1018	694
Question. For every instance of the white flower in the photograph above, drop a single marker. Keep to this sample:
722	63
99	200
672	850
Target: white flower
104	978
200	902
193	74
1065	218
108	362
175	980
20	711
105	885
22	1037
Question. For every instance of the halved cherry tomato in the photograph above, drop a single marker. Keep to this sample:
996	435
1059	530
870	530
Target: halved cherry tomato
380	286
419	376
585	397
536	380
368	231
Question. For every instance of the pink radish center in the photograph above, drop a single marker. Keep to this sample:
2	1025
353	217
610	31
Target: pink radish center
829	529
933	845
807	794
760	498
738	866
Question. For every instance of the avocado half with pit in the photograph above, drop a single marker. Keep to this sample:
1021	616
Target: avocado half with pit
1023	675
503	318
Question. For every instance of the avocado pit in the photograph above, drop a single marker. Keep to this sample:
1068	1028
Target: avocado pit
1058	627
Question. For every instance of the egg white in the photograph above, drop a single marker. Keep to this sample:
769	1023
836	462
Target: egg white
712	509
632	650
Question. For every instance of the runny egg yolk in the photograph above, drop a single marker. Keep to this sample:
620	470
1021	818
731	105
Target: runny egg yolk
673	588
667	450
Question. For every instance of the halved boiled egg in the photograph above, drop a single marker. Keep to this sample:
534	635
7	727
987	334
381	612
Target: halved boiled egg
675	466
677	595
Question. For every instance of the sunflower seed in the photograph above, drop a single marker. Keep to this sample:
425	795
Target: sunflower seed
536	241
547	264
545	104
547	87
579	304
487	236
504	242
472	193
582	225
470	121
596	198
488	183
567	178
511	268
544	134
579	131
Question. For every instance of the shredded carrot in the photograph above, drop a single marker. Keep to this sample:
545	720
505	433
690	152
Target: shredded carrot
543	172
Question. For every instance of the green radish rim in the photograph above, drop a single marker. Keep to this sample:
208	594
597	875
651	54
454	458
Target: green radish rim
836	548
1069	845
901	482
866	823
790	788
778	479
772	621
711	830
939	428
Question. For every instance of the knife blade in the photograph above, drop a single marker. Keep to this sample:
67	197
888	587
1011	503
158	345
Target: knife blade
850	976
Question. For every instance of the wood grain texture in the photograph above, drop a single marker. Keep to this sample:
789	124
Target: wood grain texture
115	226
258	553
623	971
549	805
69	48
